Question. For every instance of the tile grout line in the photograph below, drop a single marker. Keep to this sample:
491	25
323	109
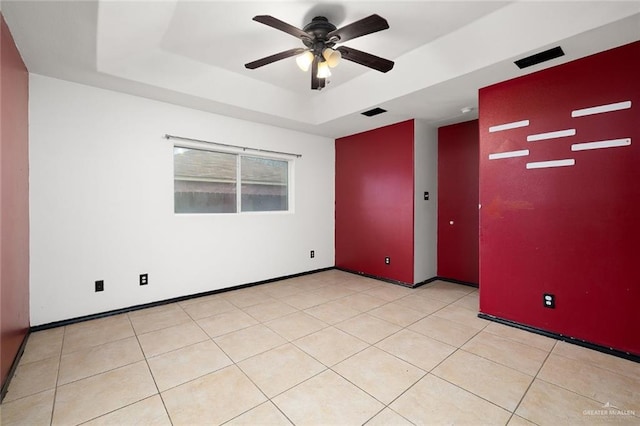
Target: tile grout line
475	394
104	371
593	364
385	405
574	392
144	355
513	413
270	399
300	337
55	389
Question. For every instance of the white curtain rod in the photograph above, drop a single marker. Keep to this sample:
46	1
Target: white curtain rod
244	148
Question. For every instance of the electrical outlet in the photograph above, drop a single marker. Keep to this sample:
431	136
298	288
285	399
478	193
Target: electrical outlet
549	301
387	260
313	254
426	196
144	279
100	285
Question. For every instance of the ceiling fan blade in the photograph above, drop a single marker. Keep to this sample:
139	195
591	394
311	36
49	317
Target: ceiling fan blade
368	25
281	25
273	58
366	59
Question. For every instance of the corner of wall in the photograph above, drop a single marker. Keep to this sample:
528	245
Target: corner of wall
425	211
14	197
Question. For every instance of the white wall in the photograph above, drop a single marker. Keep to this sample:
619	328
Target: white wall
426	212
101	197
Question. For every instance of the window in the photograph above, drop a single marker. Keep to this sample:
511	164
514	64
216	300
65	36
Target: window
264	184
218	182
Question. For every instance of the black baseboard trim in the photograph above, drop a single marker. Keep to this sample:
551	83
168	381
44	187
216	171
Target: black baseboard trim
14	366
562	337
454	281
389	280
430	280
167	301
376	277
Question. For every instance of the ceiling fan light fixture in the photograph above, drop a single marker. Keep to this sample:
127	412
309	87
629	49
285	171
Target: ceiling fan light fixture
323	70
319	53
304	61
331	56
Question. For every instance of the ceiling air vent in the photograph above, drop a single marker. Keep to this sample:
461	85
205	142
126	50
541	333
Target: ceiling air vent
374	111
538	58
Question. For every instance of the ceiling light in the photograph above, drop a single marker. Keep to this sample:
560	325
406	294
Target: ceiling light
304	61
466	110
332	56
323	70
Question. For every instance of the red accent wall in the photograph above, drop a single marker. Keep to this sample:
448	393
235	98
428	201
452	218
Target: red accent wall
458	185
572	231
14	200
374	202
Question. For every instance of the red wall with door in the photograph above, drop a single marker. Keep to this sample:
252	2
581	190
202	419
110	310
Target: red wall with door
572	231
374	202
458	181
14	200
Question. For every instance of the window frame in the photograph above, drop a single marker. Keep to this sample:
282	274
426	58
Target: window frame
239	153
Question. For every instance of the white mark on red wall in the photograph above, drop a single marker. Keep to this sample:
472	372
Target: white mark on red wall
551	163
551	135
612	143
601	109
507	126
509	154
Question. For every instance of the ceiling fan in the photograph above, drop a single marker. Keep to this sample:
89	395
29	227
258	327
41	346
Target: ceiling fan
319	38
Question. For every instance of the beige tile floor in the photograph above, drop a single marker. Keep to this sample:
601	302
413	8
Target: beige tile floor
331	348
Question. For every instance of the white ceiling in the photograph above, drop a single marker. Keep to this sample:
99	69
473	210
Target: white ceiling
192	53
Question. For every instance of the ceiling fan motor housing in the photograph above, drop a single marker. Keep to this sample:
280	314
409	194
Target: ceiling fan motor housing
318	29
